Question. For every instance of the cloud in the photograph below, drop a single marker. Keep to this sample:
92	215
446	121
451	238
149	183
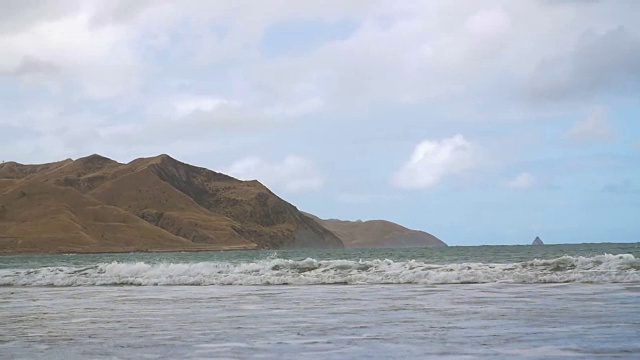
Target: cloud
491	22
434	160
416	52
599	63
192	104
30	65
178	125
571	2
594	128
116	64
293	174
394	56
16	16
398	52
305	107
522	181
99	60
191	117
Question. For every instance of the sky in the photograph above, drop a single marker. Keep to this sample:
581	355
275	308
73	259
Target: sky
481	122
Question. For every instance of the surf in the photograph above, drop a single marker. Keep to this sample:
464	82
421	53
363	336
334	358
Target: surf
607	268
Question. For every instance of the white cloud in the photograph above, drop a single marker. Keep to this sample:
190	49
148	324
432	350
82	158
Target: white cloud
293	174
99	59
401	52
434	160
594	128
470	55
19	15
47	132
305	107
191	104
212	121
522	181
489	22
597	62
416	51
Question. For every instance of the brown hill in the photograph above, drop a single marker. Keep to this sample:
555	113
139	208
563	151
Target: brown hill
95	204
377	233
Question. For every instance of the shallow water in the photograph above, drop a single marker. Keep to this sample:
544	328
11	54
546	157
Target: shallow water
574	302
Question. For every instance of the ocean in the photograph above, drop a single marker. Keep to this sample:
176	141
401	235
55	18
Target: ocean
476	302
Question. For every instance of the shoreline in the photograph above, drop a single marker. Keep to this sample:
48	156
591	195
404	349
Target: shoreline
124	251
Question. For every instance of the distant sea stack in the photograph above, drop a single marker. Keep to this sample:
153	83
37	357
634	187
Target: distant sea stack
537	241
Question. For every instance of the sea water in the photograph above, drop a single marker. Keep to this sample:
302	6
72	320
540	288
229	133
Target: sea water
551	301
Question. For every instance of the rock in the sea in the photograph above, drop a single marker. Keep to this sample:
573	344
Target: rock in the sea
537	241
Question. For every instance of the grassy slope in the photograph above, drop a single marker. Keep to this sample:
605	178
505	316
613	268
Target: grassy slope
378	233
95	204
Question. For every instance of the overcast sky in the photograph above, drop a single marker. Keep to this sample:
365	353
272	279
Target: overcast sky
482	122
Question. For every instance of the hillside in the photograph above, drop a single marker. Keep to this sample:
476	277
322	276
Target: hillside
95	204
377	233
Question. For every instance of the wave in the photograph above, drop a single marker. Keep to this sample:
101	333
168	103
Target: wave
624	268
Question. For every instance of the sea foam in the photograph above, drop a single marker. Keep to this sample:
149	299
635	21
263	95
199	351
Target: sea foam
623	268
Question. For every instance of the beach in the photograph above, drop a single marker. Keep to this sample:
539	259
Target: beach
384	303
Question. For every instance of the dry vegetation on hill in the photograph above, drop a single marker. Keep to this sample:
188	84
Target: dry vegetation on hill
378	233
95	204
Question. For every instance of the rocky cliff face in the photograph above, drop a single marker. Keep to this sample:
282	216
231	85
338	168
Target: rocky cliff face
162	203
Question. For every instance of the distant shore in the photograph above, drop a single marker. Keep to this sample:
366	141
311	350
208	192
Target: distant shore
122	251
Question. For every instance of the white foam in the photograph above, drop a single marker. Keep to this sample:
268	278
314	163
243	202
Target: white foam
606	268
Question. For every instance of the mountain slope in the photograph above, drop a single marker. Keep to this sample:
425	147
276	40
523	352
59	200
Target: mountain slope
39	217
160	204
377	233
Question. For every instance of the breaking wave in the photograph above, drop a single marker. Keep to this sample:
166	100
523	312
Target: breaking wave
606	268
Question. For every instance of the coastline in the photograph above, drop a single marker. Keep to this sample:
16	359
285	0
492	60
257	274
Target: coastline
123	251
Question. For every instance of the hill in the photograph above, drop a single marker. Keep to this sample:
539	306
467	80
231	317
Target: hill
95	204
377	233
